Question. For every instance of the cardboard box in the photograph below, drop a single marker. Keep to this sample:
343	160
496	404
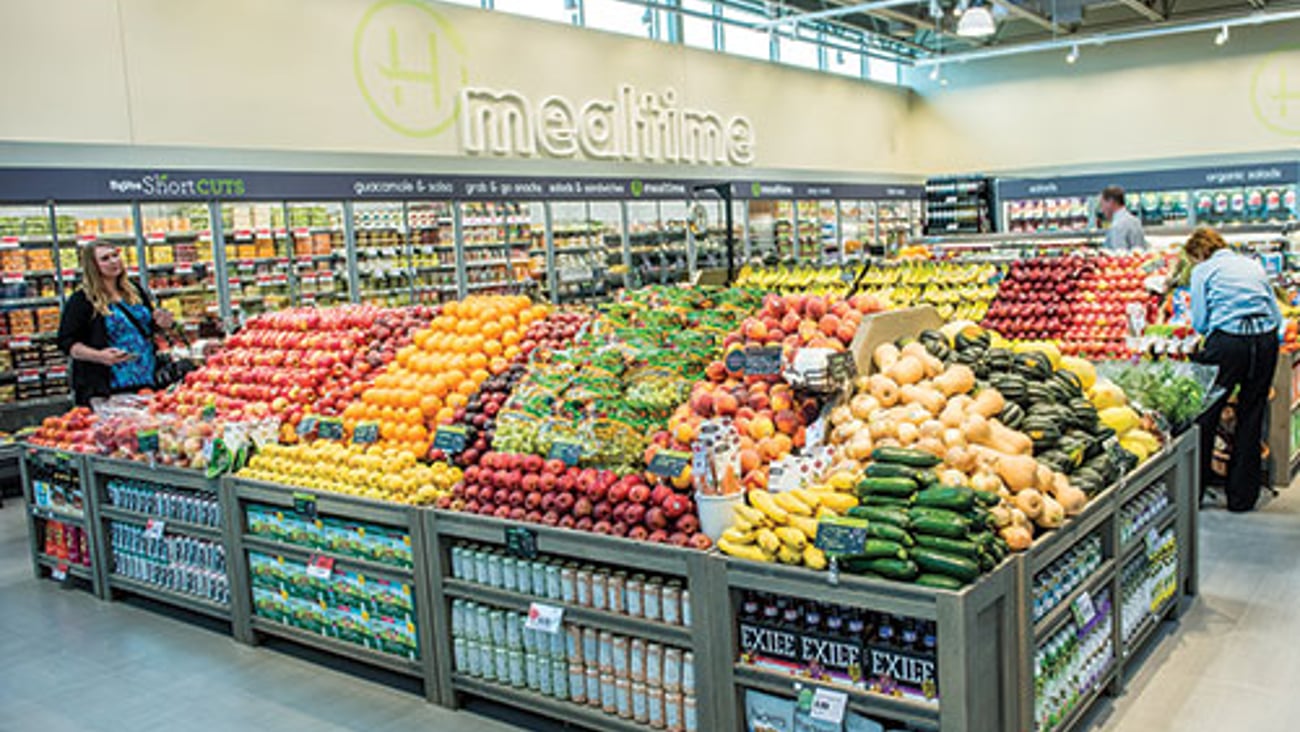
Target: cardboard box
887	327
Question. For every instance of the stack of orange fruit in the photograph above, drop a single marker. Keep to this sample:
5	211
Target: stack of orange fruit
467	343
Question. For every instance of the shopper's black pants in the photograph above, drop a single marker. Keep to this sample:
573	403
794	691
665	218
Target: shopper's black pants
1248	362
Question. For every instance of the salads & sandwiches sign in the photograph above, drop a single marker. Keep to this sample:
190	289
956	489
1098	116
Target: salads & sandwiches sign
410	65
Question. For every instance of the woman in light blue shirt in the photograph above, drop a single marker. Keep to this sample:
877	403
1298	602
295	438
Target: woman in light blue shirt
1234	307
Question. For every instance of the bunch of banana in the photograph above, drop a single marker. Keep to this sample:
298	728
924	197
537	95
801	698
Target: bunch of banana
781	527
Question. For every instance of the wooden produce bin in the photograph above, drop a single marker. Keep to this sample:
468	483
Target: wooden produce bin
1284	421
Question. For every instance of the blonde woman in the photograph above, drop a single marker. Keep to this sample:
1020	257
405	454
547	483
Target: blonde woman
108	327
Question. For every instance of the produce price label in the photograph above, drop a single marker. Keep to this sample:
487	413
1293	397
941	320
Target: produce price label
763	361
735	361
146	441
154	529
521	541
450	439
329	429
60	572
828	705
544	618
840	536
320	567
1083	611
366	433
306	426
12	278
305	504
841	367
184	268
566	452
669	463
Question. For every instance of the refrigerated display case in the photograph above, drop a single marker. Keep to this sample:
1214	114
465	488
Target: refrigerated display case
858	226
819	231
711	243
30	366
257	247
898	223
579	231
319	253
384	273
180	270
784	234
657	240
433	252
503	244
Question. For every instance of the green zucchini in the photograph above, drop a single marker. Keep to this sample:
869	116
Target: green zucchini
957	547
881	549
987	499
885	501
897	487
938	522
892	516
940	582
881	530
894	569
904	456
938	562
890	470
949	497
986	561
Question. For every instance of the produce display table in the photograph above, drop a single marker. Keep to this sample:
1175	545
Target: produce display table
647	632
1284	420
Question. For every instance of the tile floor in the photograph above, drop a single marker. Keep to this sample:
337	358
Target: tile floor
70	662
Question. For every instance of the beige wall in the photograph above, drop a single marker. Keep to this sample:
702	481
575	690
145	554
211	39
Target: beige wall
1168	98
281	75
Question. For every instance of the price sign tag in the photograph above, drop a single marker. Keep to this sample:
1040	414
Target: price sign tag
209	413
281	231
60	572
263	233
544	618
8	242
305	504
829	705
450	439
1153	542
366	433
146	441
320	567
763	361
841	535
735	361
669	463
521	542
306	426
243	234
330	428
566	452
184	268
841	367
155	237
1083	610
20	343
154	529
12	278
301	231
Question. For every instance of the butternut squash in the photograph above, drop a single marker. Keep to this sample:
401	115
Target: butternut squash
961	458
953	478
952	415
977	429
908	433
916	350
1018	538
1030	502
885	356
1043	475
1019	472
885	390
958	379
846	431
953	437
932	400
1001	514
841	415
1004	439
1052	515
882	427
932	428
861	406
931	445
988	403
860	447
906	370
987	482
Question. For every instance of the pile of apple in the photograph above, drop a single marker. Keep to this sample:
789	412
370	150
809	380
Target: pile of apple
1099	309
553	334
479	416
530	488
292	362
72	432
1033	301
769	416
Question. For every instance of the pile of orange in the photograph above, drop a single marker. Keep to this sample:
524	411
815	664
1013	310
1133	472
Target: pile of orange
444	365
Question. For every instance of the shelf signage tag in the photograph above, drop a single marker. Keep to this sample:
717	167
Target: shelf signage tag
1153	542
319	567
8	242
566	452
366	433
60	572
146	441
669	463
763	361
828	705
155	236
1083	611
305	504
300	231
544	618
735	361
841	535
521	542
306	426
154	529
184	268
450	439
841	367
20	343
12	278
330	428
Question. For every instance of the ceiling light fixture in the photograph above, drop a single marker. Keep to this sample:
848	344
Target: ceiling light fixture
935	72
1073	56
1222	37
976	22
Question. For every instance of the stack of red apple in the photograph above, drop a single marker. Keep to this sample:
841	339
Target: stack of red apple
797	321
479	416
1098	323
555	333
529	488
1033	301
73	432
296	361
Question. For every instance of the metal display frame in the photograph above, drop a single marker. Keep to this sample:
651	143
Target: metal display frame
251	630
44	565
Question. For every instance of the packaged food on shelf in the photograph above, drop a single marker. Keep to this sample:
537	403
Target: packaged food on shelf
66	542
1073	663
358	539
183	564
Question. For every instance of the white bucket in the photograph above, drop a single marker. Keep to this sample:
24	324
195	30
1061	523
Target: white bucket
717	513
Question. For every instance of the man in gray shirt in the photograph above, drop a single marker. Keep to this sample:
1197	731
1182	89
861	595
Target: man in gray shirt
1125	230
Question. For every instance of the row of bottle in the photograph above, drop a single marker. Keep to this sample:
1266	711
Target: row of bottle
162	502
1148	583
848	625
583	585
625	677
189	579
1141	511
1072	663
168	549
1057	580
67	542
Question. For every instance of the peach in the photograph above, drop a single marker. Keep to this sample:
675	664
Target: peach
716	371
790	322
758	401
761	428
770	449
725	404
828	324
756	479
846	331
750	460
787	421
807	331
754	329
816	308
781	400
800	437
746	413
684	433
796	303
775	335
841	309
703	404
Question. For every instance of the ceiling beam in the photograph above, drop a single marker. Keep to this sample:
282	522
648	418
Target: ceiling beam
1023	13
835	12
1141	8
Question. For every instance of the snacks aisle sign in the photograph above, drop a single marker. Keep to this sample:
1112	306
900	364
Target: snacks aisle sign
411	67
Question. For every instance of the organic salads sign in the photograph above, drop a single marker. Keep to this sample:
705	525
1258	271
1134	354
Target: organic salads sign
410	66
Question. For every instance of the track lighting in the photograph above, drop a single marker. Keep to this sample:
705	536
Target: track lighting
1073	56
1222	37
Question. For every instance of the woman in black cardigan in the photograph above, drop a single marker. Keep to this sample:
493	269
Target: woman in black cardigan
107	328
